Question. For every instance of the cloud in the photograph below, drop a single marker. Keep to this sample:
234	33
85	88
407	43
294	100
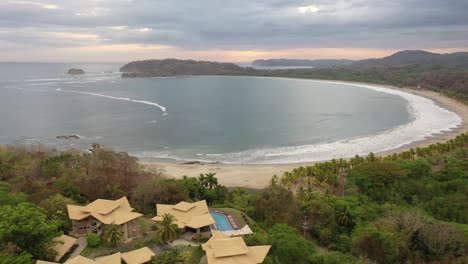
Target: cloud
32	3
197	27
307	9
145	29
70	35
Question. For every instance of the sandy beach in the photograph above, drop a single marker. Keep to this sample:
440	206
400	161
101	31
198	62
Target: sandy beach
258	176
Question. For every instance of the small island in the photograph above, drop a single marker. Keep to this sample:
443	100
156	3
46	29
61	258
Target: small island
75	71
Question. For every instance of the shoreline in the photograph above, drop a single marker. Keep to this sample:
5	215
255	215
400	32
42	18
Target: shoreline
257	176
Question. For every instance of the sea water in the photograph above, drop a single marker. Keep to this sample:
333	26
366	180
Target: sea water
209	118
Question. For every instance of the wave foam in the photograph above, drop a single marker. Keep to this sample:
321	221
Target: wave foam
163	108
429	119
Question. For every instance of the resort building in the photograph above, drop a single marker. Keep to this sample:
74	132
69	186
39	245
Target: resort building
111	259
93	217
63	245
115	258
139	256
190	216
221	249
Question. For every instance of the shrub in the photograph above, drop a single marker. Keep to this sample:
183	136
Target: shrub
93	240
326	236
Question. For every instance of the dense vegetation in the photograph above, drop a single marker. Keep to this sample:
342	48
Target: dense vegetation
449	80
410	207
301	63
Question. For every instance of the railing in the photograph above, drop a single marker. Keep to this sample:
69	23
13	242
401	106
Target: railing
240	232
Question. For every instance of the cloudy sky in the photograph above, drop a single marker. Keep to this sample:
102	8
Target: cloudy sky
225	30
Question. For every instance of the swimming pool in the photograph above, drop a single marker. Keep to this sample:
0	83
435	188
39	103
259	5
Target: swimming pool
222	223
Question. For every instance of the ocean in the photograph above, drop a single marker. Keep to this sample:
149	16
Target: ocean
239	120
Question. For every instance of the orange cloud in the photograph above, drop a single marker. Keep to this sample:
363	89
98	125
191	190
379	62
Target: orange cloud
303	53
129	52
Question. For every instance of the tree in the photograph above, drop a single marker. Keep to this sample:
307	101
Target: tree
344	217
211	180
277	205
257	238
56	209
334	258
377	244
377	180
169	229
22	258
27	228
107	174
170	257
288	246
217	195
113	234
93	240
152	192
8	197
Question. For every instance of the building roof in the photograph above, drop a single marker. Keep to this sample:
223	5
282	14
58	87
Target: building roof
111	259
65	243
221	249
105	211
194	215
138	256
80	260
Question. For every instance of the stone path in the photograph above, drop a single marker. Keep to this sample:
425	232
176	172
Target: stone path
182	242
82	243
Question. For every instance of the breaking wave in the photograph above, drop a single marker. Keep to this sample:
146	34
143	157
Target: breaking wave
429	119
163	108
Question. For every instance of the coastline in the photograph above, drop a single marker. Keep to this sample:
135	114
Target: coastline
257	176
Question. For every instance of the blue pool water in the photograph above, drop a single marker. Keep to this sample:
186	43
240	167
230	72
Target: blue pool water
221	221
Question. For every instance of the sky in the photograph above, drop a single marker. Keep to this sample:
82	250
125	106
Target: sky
225	30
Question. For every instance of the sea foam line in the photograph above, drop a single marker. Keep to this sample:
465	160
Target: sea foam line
163	108
429	119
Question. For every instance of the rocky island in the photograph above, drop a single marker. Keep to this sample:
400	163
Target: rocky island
174	67
75	71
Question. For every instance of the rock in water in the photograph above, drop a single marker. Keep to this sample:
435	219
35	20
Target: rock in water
68	137
75	71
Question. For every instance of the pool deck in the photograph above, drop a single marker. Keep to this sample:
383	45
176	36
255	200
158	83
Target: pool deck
233	219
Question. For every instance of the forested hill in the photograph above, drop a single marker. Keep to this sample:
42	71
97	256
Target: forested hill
300	63
401	58
174	67
411	57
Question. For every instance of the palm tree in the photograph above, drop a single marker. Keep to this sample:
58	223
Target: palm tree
332	180
113	234
211	180
202	179
343	217
169	229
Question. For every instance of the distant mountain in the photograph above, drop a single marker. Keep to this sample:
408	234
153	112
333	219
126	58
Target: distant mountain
174	67
426	61
401	58
301	63
410	57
